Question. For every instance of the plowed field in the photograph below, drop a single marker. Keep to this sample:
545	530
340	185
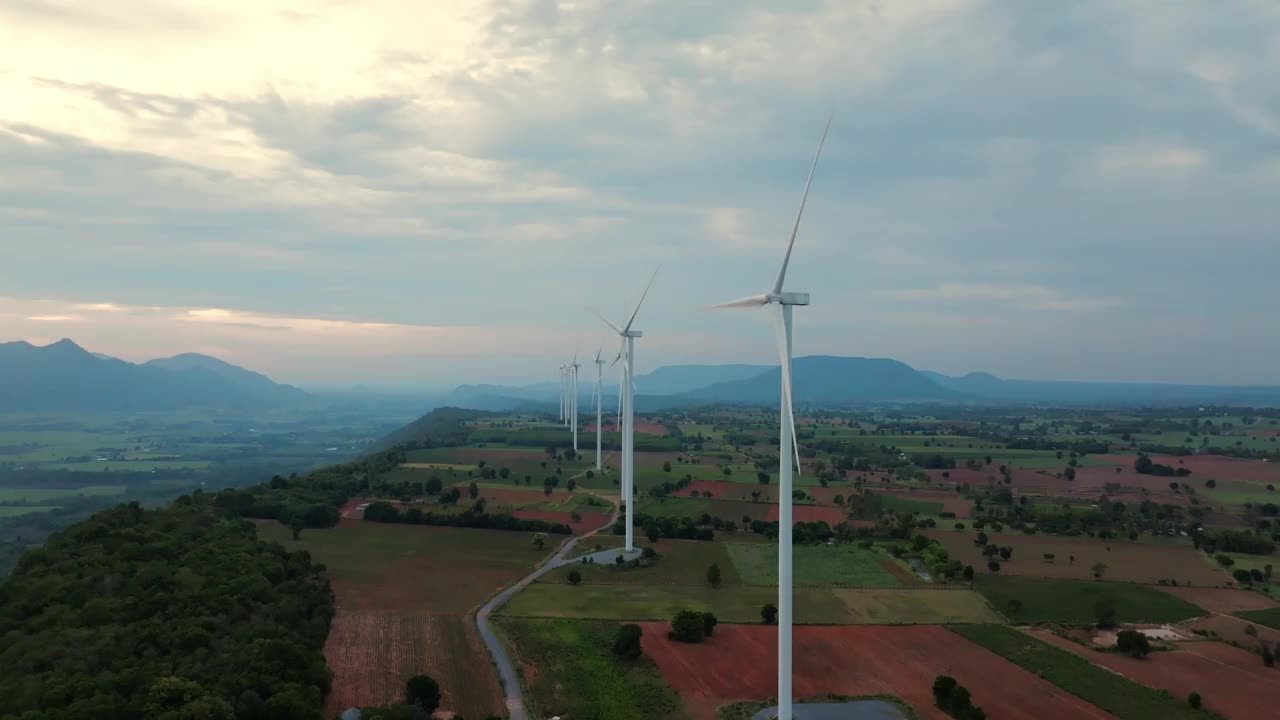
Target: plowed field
739	663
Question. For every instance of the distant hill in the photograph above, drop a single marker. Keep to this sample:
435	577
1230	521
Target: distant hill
65	376
989	388
441	426
821	379
677	379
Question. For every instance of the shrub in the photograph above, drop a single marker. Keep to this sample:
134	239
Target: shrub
769	614
626	644
709	623
422	691
1194	698
575	577
687	627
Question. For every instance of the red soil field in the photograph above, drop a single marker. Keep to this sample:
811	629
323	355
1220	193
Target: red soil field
642	426
1223	600
492	456
810	513
590	520
951	502
739	663
1233	682
372	653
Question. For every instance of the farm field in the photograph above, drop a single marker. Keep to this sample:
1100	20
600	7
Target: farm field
36	495
1222	600
1270	618
1232	682
1129	561
569	671
738	663
1029	600
912	606
16	510
815	566
1113	693
1233	629
403	593
731	604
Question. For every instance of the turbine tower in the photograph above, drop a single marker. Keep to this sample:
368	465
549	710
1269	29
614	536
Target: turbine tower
561	393
785	301
627	353
598	393
573	400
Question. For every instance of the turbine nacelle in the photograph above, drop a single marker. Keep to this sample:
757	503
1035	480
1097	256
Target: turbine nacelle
789	298
632	333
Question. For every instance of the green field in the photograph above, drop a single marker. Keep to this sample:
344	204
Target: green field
908	506
36	495
680	562
739	604
16	510
1036	600
1120	696
1270	618
814	566
911	606
578	677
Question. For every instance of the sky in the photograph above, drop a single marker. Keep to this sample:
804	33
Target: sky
414	193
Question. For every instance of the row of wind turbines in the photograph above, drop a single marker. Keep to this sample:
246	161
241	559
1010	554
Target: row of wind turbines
783	302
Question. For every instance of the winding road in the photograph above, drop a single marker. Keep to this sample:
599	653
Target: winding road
507	675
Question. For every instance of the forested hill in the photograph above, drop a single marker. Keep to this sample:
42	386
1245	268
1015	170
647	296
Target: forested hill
169	614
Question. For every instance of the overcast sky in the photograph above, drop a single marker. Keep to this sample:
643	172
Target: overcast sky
423	193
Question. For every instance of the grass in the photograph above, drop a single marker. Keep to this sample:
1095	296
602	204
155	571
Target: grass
907	506
1035	600
1270	618
1114	693
578	676
737	604
814	566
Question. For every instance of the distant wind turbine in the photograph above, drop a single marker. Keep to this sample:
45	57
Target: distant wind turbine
598	392
573	400
786	440
627	353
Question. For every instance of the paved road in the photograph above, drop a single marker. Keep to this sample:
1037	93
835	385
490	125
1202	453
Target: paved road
514	696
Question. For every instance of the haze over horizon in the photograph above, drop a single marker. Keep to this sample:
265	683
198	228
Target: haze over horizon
422	196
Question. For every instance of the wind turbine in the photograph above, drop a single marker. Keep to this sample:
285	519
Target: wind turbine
598	393
561	393
627	353
785	301
573	399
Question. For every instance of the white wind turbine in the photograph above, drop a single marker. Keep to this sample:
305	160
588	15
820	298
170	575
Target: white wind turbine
562	403
573	400
627	353
786	441
598	393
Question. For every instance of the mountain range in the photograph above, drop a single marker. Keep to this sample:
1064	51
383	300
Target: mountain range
832	380
65	376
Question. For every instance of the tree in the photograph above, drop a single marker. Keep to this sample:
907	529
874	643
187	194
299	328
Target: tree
762	477
1006	552
653	532
434	485
727	472
709	623
666	466
1268	653
422	691
687	627
473	490
943	687
981	539
993	565
1099	568
968	573
713	575
296	524
575	577
1133	643
1194	700
571	484
1104	610
769	614
626	644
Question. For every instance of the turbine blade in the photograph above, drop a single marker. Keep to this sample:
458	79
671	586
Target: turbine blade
642	297
786	259
784	360
746	302
606	321
599	351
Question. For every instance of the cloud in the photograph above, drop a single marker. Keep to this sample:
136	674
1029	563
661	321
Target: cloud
499	164
1024	297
